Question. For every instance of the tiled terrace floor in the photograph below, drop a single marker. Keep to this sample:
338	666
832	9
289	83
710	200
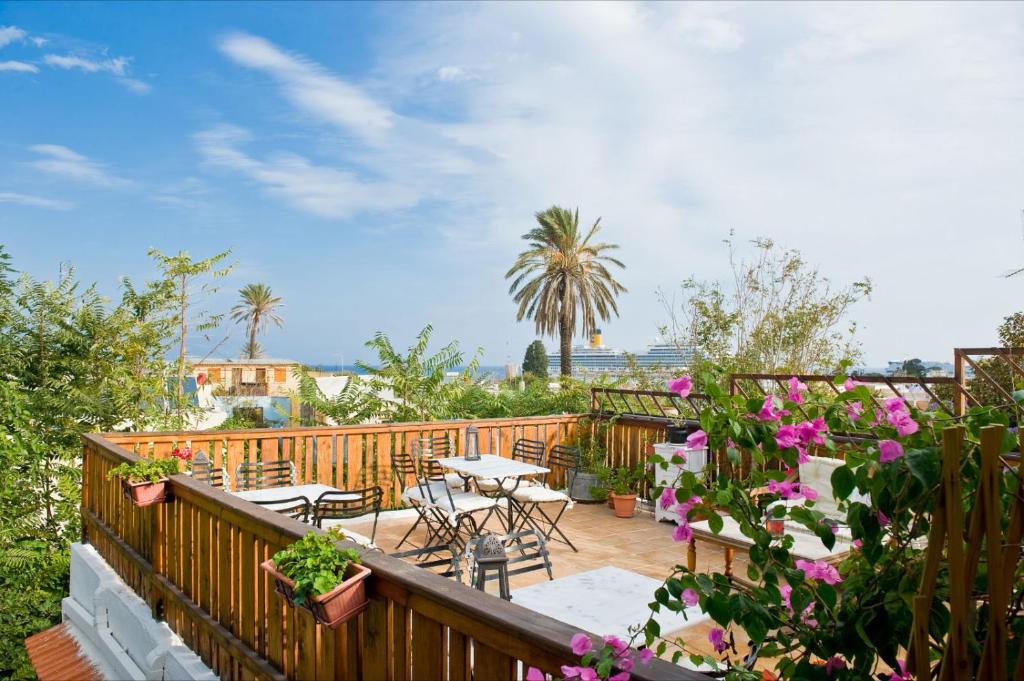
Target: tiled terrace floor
639	544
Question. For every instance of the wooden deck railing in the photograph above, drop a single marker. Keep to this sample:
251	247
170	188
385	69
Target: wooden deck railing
195	560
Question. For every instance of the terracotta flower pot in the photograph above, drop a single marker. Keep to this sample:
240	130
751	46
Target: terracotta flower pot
145	493
624	505
338	605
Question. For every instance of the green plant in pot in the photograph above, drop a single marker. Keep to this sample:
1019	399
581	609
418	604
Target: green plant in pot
144	481
591	438
315	574
625	482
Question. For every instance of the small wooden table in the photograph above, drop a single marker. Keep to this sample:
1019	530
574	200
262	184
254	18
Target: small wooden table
805	545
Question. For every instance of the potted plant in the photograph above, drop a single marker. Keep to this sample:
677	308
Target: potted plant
590	440
625	481
314	574
678	430
145	481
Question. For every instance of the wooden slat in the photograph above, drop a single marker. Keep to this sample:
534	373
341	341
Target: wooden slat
458	656
399	642
490	664
427	663
375	640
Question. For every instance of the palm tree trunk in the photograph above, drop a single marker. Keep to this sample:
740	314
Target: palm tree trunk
565	340
252	339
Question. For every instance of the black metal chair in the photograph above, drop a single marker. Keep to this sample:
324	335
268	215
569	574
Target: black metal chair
533	500
451	512
431	557
531	555
349	504
264	474
404	468
438	446
203	471
298	507
527	451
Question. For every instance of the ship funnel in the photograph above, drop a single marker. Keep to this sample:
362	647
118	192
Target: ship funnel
595	339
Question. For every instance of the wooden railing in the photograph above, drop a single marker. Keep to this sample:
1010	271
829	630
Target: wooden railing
195	560
347	456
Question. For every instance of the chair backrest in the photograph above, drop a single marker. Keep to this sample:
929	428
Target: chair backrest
404	467
527	552
440	556
817	472
437	446
350	503
264	474
564	462
293	507
203	471
529	451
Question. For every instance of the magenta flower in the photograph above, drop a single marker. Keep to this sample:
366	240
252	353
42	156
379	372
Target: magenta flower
682	385
619	646
808	492
786	437
878	418
682	532
717	638
903	675
581	673
769	412
534	674
819	570
681	453
850	384
811	431
890	450
796	390
784	488
883	519
668	498
857	543
854	410
803	456
697	440
581	644
904	422
834	663
806	616
690	597
646	655
621	676
894	404
625	663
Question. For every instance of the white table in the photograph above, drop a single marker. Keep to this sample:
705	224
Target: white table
311	492
605	601
494	467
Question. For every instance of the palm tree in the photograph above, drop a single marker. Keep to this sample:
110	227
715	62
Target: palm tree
257	307
562	275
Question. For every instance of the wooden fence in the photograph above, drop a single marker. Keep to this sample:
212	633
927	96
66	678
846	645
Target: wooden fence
347	456
195	560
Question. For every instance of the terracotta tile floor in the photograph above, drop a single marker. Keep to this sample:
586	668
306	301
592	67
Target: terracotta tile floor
640	544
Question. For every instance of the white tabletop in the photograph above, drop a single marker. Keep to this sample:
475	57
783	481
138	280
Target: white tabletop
491	466
603	601
805	544
312	492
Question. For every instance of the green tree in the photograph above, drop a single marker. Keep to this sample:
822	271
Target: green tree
535	362
914	367
354	403
777	314
416	386
562	280
257	307
187	277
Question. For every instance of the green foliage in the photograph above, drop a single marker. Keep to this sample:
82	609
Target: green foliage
353	404
625	479
562	280
778	315
535	362
913	367
144	470
592	441
257	307
537	398
315	564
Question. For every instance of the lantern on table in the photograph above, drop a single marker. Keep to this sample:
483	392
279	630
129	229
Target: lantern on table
472	444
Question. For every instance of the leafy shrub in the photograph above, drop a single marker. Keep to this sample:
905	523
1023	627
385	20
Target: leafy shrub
144	470
314	564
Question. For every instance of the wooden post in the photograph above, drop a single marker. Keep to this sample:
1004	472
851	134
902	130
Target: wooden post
954	661
993	658
959	390
921	664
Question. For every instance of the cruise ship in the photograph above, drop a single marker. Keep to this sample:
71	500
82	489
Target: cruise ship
597	358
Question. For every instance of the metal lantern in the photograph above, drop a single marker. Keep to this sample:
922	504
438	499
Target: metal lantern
489	554
472	444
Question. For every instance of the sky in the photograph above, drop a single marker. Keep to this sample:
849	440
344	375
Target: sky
377	164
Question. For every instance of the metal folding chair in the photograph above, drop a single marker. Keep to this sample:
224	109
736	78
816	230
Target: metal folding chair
452	512
531	555
203	471
348	504
427	558
264	474
404	468
439	446
532	500
298	508
527	451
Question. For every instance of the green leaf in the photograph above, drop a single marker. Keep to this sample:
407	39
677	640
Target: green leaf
717	607
842	482
715	522
924	465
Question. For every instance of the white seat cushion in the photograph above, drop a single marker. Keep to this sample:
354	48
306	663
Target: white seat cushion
507	484
464	503
454	480
415	495
540	495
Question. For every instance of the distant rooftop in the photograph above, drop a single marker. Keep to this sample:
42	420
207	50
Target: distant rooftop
261	361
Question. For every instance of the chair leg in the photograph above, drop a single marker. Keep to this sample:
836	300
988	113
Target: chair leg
411	529
554	526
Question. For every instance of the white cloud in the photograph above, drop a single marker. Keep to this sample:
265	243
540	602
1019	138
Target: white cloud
18	66
135	85
309	87
320	190
453	74
115	66
60	160
36	201
37	41
11	34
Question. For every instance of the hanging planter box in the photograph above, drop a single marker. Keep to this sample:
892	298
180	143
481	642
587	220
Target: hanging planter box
335	607
145	493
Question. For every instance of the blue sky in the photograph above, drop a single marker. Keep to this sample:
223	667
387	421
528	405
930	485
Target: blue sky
376	164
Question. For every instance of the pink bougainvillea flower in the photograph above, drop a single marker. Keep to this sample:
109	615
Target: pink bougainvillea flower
625	663
697	440
857	543
802	456
681	453
903	674
819	570
834	663
690	597
904	422
619	647
806	617
769	412
717	638
786	436
808	492
588	674
581	644
894	404
811	431
784	488
581	673
534	674
682	532
621	676
883	519
878	418
668	498
569	672
890	450
850	384
682	385
854	410
646	655
796	390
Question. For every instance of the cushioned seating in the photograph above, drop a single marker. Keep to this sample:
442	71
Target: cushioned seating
490	485
541	495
